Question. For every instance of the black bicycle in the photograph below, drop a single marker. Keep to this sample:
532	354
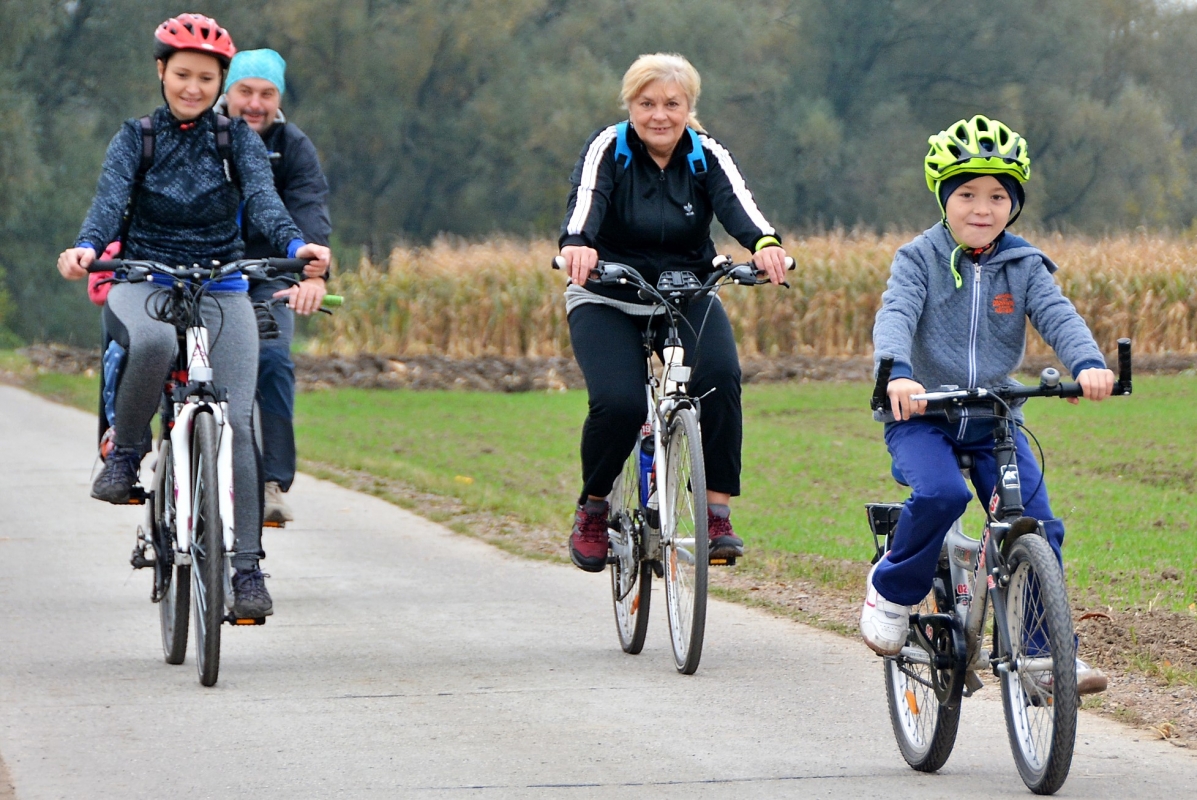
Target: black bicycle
1012	570
658	505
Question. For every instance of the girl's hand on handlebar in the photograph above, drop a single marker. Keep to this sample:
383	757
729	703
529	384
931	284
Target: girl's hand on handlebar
772	261
306	296
899	391
74	261
1097	384
321	257
579	262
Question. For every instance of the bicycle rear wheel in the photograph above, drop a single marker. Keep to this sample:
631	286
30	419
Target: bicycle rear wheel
207	551
631	577
924	727
1039	692
684	541
173	581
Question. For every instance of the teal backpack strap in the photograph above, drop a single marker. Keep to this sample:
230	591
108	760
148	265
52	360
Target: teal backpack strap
697	157
621	146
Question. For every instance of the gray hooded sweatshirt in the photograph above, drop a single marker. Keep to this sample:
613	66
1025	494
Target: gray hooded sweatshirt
974	335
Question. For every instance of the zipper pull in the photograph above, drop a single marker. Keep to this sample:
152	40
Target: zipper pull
977	268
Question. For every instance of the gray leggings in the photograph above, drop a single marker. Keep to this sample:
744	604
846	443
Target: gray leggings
151	345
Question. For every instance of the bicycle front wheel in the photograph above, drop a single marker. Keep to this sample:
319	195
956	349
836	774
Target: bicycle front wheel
172	581
924	727
207	551
1039	692
631	576
684	541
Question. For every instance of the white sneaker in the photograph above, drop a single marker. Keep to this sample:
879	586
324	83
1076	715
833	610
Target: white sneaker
883	624
275	508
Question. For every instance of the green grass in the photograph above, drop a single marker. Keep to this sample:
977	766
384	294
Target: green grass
1121	472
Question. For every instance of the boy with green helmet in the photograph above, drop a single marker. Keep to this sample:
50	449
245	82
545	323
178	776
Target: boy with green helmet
942	328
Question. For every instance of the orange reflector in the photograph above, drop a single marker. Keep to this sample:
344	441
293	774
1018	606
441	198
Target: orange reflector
912	702
273	524
249	622
636	603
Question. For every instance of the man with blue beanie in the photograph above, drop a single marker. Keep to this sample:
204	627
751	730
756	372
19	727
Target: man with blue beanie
253	91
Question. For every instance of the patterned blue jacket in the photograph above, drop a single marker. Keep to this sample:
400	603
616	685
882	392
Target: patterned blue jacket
186	208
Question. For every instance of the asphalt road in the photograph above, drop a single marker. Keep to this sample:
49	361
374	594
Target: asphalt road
404	660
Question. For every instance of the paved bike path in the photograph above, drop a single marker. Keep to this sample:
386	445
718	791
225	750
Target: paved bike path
407	661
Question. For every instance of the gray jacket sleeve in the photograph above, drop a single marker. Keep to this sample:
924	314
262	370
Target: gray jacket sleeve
1058	322
305	191
901	306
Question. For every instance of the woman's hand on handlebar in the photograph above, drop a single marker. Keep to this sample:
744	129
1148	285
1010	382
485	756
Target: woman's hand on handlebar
1097	384
306	296
321	257
899	391
579	262
771	260
74	261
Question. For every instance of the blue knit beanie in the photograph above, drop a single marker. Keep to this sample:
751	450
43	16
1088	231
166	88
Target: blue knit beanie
265	64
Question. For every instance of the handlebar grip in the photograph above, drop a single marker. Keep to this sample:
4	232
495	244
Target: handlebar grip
880	398
790	264
1123	386
111	265
333	300
558	262
292	265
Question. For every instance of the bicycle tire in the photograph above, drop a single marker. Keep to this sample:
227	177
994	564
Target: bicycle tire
1040	712
174	590
684	541
924	728
207	551
631	576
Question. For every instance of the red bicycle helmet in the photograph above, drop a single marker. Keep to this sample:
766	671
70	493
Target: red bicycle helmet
194	32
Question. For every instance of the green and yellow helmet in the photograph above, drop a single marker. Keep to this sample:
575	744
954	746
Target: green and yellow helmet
981	145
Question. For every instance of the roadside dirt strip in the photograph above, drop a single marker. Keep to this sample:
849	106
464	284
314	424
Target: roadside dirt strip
404	660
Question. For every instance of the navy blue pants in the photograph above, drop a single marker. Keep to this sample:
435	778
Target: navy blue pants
276	391
925	455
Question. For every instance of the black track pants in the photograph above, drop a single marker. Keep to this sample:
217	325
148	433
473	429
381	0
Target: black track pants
608	345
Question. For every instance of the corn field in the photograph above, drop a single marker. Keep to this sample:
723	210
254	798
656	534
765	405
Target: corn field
499	297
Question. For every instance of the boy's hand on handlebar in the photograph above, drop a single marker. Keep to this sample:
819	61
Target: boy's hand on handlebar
579	262
899	391
321	257
74	261
306	296
1097	384
771	260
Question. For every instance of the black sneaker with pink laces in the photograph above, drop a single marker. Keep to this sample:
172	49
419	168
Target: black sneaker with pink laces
725	545
588	539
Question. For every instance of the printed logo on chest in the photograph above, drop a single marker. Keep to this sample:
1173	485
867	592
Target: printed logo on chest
1003	303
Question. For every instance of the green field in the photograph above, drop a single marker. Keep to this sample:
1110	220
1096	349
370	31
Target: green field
1122	473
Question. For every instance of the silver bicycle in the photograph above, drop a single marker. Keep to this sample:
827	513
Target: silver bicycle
1010	571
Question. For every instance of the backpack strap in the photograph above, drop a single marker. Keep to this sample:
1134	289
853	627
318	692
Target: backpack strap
224	148
623	153
697	157
146	124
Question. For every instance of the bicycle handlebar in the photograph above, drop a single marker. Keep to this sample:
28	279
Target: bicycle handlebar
270	267
610	273
1049	386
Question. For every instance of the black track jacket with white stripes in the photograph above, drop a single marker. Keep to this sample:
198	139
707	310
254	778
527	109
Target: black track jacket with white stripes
657	219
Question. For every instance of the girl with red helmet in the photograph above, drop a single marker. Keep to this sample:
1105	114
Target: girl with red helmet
185	209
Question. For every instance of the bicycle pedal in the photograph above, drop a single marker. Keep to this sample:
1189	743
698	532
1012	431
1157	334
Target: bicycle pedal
729	561
270	523
658	569
137	496
138	559
244	620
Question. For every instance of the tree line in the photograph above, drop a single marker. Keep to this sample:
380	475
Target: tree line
465	116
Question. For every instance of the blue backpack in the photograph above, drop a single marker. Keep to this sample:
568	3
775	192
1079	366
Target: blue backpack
697	157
